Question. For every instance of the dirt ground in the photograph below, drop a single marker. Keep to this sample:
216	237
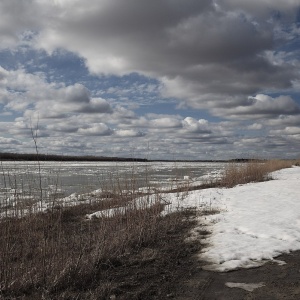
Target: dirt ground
280	282
170	269
173	271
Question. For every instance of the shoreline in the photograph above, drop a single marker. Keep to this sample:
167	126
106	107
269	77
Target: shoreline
54	157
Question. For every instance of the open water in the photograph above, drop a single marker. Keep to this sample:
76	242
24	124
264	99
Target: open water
64	178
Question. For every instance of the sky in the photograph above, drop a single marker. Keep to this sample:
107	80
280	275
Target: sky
159	79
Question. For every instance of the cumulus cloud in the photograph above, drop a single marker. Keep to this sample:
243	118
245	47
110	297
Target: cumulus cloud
16	18
99	129
287	131
128	133
262	106
263	7
193	126
215	50
20	91
9	141
284	120
234	59
165	122
255	126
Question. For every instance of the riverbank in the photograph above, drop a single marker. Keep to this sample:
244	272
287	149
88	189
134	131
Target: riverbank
252	250
145	250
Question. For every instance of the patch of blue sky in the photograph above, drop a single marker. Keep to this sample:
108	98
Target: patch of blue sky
8	59
7	116
132	89
68	68
293	93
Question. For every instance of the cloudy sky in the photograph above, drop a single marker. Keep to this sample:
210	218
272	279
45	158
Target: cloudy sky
170	79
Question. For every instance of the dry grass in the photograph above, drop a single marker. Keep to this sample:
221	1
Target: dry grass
61	253
253	171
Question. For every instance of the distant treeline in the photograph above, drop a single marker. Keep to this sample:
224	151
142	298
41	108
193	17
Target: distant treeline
235	160
53	157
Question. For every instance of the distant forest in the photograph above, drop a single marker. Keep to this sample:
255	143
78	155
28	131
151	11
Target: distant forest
52	157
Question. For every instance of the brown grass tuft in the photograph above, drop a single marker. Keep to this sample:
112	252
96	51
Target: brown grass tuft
253	171
55	254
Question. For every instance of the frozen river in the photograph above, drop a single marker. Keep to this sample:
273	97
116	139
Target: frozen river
65	178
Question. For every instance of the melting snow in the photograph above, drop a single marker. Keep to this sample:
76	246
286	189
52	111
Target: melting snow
250	287
256	222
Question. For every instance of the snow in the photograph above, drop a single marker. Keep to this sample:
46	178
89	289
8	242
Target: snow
250	287
136	204
249	224
256	222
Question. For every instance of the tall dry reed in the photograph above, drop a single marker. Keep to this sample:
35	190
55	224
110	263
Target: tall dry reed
252	171
47	253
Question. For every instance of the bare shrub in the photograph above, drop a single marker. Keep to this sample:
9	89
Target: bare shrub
61	252
253	171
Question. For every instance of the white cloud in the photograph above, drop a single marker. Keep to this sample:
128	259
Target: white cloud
202	51
262	106
99	129
9	141
199	45
193	126
286	131
16	17
165	122
263	8
128	133
255	126
20	91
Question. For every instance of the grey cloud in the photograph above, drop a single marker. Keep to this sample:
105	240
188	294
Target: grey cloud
222	38
99	129
262	106
215	49
284	120
96	105
255	126
165	122
162	38
65	127
132	17
75	93
226	85
9	141
128	133
287	131
20	91
191	125
264	8
181	37
69	144
16	16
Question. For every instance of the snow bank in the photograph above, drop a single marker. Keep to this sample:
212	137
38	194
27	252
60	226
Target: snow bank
257	221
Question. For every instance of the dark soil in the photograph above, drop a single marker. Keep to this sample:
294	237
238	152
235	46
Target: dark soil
170	269
154	272
280	282
150	270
